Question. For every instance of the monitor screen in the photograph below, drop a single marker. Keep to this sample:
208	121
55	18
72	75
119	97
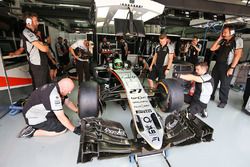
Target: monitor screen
122	27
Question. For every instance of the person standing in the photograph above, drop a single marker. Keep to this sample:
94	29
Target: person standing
66	53
193	51
103	48
36	51
60	49
80	52
162	61
52	60
229	50
124	50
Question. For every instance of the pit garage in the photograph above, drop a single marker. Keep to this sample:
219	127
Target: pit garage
104	55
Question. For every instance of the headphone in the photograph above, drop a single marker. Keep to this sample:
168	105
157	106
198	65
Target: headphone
28	21
232	32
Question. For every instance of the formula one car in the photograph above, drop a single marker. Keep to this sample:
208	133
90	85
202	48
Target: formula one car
105	138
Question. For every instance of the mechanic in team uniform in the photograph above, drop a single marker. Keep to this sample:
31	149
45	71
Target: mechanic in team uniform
162	61
80	52
229	50
193	51
104	45
36	51
124	50
51	60
203	89
43	111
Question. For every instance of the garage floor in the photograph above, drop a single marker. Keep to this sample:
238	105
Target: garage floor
230	147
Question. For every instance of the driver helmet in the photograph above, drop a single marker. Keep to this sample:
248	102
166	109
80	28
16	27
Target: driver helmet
118	64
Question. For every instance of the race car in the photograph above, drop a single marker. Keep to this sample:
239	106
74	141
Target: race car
104	138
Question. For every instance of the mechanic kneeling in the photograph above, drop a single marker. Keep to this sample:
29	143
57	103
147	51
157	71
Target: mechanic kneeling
43	111
203	90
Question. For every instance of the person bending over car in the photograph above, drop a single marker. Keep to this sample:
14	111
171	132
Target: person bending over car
43	111
203	90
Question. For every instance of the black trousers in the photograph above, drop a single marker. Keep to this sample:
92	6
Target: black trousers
246	92
80	67
219	73
39	75
103	57
196	106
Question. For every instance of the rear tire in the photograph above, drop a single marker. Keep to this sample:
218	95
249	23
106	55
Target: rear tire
88	99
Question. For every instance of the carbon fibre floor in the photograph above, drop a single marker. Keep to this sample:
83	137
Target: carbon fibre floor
230	147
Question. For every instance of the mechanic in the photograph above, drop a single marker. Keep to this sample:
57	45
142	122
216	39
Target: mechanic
60	50
162	61
193	51
229	50
124	50
52	60
203	89
66	53
104	45
36	51
43	111
80	52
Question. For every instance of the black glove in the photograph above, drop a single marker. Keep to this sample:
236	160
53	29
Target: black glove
77	130
176	75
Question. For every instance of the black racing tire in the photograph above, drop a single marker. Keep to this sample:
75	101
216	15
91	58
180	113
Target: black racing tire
88	99
72	72
170	95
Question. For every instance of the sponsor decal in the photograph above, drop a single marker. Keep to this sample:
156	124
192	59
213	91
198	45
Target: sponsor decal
138	97
115	132
143	101
142	105
155	139
135	91
143	111
147	120
150	129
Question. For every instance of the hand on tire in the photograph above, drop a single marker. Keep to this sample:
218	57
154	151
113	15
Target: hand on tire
77	130
176	75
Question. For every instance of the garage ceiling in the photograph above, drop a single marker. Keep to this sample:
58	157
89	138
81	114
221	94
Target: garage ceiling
73	15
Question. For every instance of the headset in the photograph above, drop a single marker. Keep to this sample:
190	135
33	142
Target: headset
28	21
232	32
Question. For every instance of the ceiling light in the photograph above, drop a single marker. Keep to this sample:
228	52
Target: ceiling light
80	21
122	14
102	12
69	5
99	24
244	1
147	16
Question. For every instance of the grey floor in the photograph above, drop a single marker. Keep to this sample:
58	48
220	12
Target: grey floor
230	147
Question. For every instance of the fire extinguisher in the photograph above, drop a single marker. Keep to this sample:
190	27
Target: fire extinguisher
192	89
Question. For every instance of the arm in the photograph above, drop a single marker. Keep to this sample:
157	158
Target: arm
190	77
126	49
153	62
64	120
237	56
51	57
40	46
216	45
71	105
197	48
73	53
170	60
17	52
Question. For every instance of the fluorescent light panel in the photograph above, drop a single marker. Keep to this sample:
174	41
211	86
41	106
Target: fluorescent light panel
102	12
99	24
147	16
122	14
